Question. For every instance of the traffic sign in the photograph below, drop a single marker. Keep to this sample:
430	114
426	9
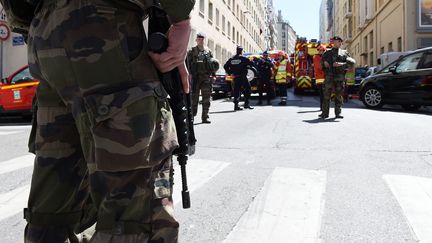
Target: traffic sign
4	32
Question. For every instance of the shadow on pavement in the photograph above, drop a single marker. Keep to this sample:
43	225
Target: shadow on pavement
320	120
14	121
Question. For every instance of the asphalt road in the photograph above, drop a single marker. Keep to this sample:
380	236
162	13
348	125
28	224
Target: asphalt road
280	174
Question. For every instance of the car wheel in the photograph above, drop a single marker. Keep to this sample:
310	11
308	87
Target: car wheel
372	97
252	73
411	107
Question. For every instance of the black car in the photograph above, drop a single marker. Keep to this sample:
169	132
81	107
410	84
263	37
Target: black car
406	82
221	85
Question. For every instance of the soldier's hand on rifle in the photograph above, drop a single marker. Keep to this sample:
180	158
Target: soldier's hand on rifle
175	56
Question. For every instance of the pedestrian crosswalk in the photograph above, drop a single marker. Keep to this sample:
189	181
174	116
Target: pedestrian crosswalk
289	206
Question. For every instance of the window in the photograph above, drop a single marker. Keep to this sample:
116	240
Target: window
217	18
399	44
371	40
21	77
409	63
201	8
427	62
382	50
210	13
390	46
223	23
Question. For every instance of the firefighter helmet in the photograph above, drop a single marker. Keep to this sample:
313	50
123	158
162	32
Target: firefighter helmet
321	48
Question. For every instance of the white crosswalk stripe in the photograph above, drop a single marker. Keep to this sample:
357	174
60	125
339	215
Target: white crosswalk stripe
414	195
16	163
288	207
199	172
13	202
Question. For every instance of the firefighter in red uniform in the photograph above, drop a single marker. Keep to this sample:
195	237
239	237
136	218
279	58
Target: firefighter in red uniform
319	71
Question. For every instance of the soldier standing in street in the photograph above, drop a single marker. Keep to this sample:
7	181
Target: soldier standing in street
199	63
238	66
265	68
103	125
335	62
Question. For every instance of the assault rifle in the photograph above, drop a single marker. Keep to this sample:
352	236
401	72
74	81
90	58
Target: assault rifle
180	102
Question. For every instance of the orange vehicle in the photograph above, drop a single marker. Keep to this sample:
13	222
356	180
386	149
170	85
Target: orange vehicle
17	92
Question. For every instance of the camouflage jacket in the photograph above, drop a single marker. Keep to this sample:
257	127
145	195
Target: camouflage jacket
336	55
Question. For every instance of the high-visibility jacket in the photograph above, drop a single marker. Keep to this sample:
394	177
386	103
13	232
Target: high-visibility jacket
281	72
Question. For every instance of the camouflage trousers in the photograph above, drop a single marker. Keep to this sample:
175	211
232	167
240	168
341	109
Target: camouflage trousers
336	85
205	86
103	134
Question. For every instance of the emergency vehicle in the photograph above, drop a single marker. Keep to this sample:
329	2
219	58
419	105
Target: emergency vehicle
303	71
17	92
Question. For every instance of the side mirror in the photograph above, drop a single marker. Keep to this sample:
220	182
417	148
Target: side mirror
393	69
3	81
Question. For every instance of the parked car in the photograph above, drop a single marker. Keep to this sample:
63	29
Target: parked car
406	82
372	70
17	92
222	83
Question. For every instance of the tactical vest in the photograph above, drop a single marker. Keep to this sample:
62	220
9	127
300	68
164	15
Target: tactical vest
281	74
200	62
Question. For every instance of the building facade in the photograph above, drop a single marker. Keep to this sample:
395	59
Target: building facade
228	23
271	31
13	50
373	27
326	20
286	35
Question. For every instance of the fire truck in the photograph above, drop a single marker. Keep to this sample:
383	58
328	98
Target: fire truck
303	71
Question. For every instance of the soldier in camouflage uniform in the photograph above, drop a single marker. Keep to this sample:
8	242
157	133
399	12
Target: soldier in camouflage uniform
104	127
335	62
199	67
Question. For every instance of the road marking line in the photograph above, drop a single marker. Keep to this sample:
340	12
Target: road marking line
414	195
10	133
288	209
199	172
26	127
17	163
13	202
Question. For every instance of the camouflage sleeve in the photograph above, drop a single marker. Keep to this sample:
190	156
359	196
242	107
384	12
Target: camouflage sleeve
227	66
178	10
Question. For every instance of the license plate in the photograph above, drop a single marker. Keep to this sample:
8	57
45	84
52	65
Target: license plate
254	88
17	95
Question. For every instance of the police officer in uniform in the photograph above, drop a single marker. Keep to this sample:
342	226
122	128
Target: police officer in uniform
103	125
238	66
200	60
265	68
335	61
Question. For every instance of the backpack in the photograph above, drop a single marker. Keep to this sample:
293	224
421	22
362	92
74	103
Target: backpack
19	14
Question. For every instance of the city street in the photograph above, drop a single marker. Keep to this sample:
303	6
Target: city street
280	174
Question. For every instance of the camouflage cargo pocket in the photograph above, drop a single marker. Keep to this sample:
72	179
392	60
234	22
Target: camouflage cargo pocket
163	182
131	128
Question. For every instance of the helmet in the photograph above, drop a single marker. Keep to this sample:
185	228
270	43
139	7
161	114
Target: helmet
321	48
214	64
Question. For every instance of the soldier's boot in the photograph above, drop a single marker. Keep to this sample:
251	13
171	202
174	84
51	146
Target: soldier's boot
247	106
339	116
323	115
206	120
237	107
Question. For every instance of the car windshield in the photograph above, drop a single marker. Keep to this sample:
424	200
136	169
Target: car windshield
220	72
